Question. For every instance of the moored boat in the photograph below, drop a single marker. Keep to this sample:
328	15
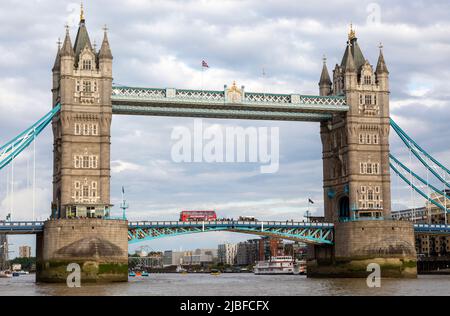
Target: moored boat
280	265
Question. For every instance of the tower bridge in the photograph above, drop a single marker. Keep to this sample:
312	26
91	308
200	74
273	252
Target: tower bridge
352	109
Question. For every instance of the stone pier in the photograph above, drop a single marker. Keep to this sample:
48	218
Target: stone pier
357	244
99	246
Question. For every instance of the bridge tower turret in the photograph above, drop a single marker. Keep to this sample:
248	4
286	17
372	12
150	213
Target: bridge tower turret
325	81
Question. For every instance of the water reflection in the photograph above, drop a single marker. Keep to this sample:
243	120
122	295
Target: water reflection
231	284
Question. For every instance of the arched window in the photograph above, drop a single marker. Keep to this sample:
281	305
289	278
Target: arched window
77	161
85	129
85	162
77	129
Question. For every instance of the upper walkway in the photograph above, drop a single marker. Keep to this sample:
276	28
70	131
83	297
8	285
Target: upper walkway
234	103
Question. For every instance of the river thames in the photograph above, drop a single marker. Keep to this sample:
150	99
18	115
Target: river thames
231	285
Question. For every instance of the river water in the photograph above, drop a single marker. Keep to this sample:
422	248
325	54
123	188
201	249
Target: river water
232	285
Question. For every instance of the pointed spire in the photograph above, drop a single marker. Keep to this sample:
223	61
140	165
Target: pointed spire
325	76
67	49
57	64
349	63
381	65
82	40
105	50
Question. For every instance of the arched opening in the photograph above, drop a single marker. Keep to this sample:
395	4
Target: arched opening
344	207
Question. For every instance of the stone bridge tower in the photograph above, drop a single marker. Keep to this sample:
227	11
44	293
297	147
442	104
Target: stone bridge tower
356	171
80	231
356	144
82	82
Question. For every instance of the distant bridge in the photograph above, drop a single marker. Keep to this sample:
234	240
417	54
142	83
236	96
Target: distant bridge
311	233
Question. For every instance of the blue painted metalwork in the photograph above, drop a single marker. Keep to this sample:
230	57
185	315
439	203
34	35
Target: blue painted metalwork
14	147
315	233
416	188
432	229
30	227
417	151
415	175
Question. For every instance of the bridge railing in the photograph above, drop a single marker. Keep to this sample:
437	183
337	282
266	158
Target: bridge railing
21	224
431	228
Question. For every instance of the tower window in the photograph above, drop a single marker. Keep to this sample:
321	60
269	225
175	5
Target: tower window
77	129
369	168
87	86
367	80
375	168
87	64
375	139
85	161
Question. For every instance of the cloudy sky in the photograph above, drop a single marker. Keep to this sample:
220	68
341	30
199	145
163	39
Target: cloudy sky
162	44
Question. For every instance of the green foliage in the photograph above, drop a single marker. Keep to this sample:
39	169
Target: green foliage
26	263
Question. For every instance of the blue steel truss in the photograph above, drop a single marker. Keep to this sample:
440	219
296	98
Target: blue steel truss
15	146
425	158
313	233
403	172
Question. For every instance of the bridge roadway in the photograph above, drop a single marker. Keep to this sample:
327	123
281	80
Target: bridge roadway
315	233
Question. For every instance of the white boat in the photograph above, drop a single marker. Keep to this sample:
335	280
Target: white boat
5	274
280	265
180	269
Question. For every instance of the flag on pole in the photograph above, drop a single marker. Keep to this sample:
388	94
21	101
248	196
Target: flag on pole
123	190
310	201
205	64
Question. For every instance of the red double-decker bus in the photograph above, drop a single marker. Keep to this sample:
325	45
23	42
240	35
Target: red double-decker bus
195	216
